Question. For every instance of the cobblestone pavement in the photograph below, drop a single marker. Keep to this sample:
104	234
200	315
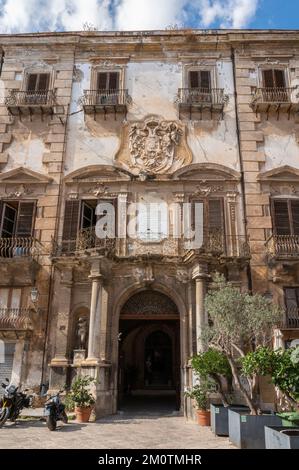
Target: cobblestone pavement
122	431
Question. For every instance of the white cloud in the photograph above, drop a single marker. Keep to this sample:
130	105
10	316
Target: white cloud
70	15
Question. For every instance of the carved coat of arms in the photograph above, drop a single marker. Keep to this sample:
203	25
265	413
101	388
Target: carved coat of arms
153	145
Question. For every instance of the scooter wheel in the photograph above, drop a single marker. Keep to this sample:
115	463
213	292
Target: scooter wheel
51	423
4	413
64	417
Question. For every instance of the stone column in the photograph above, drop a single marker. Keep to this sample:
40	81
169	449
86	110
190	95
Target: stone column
95	315
62	301
200	277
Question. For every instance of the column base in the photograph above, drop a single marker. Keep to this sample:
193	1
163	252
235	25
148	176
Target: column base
91	362
59	361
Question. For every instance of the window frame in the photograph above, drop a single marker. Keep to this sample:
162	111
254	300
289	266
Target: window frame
199	68
10	202
283	68
38	70
102	69
290	215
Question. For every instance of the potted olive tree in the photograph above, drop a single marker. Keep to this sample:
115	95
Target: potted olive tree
239	323
82	398
200	394
283	369
213	365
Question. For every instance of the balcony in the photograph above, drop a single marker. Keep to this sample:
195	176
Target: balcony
201	100
26	103
87	243
15	319
215	245
276	99
105	101
283	247
18	247
291	319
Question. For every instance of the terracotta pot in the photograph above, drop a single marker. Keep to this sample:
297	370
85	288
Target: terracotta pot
83	414
204	417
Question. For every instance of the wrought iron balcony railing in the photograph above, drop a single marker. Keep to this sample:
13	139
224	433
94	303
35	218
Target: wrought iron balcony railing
216	243
30	98
15	318
273	95
86	240
19	247
283	246
201	96
291	319
103	98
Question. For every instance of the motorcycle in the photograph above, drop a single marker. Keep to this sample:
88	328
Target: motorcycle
55	411
12	403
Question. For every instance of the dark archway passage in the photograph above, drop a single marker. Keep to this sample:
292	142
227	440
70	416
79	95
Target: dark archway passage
149	353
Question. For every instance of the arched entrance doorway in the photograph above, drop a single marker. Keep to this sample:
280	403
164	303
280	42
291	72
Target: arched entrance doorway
149	352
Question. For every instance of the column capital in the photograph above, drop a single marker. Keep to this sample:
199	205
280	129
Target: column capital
200	272
96	277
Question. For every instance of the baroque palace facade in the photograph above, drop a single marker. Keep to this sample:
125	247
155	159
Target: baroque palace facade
207	117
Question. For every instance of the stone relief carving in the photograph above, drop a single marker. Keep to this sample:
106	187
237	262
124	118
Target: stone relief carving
205	189
153	147
279	189
18	192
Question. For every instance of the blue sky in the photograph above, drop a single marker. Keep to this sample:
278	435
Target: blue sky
70	15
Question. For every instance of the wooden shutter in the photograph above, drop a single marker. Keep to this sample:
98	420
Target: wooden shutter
113	81
295	216
102	81
8	221
194	79
87	216
281	218
205	79
32	81
71	220
279	78
24	224
43	82
216	215
268	78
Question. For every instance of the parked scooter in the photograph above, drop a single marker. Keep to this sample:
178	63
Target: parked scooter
55	411
12	403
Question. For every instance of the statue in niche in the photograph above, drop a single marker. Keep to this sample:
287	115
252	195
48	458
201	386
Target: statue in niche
82	331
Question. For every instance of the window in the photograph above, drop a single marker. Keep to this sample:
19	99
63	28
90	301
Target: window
108	88
10	298
152	220
80	220
108	81
200	79
285	215
37	88
274	78
16	219
213	216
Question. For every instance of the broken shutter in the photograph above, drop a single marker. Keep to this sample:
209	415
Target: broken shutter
113	81
32	81
24	224
215	214
205	81
70	226
102	81
295	216
43	82
281	218
279	78
8	221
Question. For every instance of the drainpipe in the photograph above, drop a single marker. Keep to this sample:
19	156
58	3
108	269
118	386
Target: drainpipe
242	182
1	61
55	239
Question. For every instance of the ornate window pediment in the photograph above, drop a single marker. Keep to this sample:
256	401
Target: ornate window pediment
23	175
97	173
206	171
283	173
